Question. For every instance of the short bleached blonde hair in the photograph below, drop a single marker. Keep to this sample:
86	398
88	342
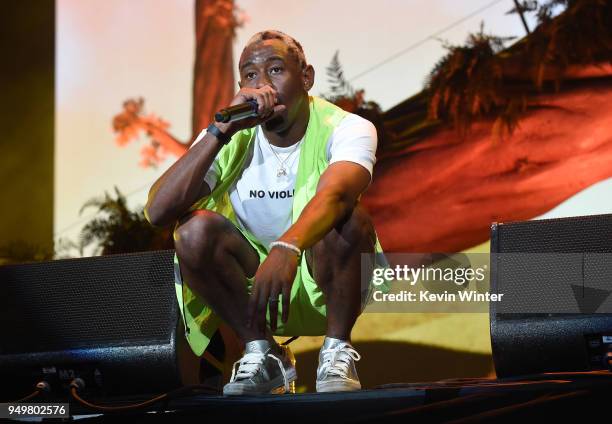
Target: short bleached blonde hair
292	44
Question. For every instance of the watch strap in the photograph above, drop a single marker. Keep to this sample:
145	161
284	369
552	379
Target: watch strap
221	136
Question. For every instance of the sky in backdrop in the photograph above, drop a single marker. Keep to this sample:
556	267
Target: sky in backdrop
110	50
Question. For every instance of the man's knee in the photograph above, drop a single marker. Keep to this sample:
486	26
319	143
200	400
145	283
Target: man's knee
359	227
356	230
354	234
199	233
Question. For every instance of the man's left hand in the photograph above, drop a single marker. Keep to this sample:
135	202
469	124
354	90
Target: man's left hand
274	277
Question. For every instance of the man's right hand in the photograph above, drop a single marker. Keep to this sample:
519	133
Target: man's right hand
267	109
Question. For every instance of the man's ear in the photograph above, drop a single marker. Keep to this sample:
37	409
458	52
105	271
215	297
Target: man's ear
308	75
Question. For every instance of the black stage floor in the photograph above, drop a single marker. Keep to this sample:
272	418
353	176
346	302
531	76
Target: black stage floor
565	396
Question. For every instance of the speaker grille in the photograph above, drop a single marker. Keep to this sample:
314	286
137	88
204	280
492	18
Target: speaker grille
563	235
567	257
557	274
116	300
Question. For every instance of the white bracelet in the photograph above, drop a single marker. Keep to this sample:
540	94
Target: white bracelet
286	246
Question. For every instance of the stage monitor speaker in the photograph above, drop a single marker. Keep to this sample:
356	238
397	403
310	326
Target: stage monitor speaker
556	278
111	320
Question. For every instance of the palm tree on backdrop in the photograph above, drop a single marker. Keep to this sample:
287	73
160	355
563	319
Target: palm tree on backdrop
483	78
120	230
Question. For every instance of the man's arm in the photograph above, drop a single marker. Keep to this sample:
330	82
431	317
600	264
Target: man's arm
352	156
337	192
183	183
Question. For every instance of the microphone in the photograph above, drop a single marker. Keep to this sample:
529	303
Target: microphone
237	112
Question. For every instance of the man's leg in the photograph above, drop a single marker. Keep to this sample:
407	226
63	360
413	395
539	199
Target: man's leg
215	260
335	264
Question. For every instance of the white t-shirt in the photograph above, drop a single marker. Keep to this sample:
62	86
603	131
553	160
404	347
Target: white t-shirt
262	199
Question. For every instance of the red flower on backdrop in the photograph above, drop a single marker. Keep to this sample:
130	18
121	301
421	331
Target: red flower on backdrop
132	122
216	21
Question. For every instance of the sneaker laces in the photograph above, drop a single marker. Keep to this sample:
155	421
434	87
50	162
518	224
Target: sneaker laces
336	360
250	364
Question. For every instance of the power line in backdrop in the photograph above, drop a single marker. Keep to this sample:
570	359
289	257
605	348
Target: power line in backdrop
424	40
372	68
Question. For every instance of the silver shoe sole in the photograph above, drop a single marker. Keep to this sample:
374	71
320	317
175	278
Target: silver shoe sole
338	386
275	386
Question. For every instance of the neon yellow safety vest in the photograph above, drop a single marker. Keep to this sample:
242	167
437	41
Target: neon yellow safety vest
200	320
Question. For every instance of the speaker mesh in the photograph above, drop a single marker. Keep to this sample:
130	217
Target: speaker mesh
563	235
545	266
117	300
556	273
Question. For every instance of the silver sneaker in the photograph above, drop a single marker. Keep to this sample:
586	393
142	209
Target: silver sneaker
336	371
261	372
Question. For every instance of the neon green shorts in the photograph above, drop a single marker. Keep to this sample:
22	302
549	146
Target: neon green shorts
307	311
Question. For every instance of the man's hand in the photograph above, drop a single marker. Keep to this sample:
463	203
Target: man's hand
268	108
274	277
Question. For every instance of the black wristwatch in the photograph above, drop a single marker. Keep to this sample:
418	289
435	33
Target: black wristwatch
222	137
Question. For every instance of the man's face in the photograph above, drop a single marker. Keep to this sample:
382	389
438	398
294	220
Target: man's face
271	63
